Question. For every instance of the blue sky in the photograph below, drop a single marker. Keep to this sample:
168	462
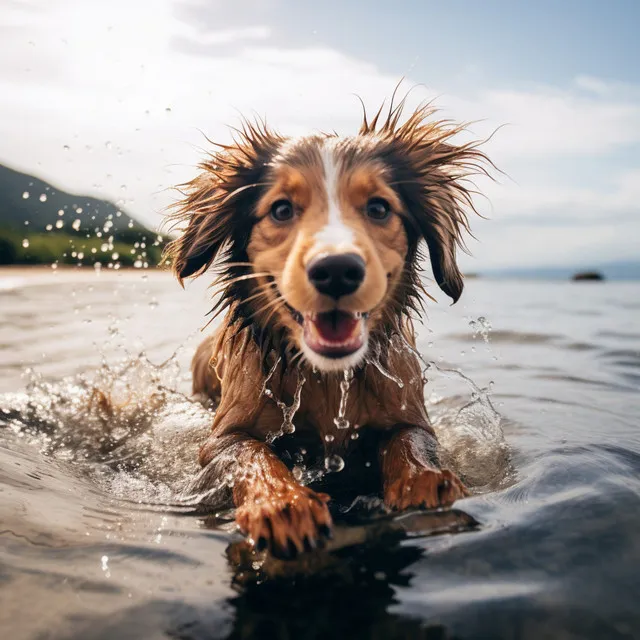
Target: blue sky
129	90
547	41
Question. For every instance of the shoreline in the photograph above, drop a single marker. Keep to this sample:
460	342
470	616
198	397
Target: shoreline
16	276
39	269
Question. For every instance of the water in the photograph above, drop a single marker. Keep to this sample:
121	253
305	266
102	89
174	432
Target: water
533	389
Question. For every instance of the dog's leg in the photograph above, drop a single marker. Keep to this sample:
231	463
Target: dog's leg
272	509
411	473
205	380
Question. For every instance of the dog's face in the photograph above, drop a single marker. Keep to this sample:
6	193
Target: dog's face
330	238
318	236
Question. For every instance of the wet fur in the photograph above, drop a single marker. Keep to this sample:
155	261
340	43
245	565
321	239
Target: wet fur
424	173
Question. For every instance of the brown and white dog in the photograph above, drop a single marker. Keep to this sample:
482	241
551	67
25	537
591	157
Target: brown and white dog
317	246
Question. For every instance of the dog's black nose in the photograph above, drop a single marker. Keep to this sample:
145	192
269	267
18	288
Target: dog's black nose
337	275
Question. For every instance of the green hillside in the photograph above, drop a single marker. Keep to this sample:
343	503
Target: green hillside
40	224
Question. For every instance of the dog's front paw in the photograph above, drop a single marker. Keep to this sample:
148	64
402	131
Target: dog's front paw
424	488
286	523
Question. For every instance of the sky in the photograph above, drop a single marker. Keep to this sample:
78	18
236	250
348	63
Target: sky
114	99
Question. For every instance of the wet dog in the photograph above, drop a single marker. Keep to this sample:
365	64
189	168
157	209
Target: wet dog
317	244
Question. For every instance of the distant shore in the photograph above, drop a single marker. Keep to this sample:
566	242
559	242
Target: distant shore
39	269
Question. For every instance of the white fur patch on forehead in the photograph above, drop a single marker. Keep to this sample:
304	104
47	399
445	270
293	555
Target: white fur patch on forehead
334	233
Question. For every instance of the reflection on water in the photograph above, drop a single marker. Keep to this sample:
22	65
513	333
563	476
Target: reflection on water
536	405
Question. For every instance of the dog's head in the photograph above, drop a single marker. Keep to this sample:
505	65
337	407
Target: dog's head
317	239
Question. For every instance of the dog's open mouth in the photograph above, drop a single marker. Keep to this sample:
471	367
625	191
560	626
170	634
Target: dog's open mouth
334	334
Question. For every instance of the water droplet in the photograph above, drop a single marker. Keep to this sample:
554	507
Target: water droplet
59	224
107	145
25	243
76	224
334	463
49	227
481	327
66	147
60	212
329	437
137	264
104	561
115	255
25	195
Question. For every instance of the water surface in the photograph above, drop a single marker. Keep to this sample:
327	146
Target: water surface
96	539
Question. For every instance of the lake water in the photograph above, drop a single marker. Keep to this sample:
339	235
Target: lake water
97	540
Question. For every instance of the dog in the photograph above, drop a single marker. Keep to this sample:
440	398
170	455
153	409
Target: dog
317	244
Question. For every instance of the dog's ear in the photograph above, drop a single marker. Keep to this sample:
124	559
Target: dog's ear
438	212
208	228
431	176
424	175
218	204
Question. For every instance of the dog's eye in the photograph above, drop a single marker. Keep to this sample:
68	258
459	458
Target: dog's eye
282	210
378	209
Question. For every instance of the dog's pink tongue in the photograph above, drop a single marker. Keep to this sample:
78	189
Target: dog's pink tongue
335	326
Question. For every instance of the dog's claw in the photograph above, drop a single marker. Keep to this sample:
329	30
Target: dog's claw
428	488
325	531
291	523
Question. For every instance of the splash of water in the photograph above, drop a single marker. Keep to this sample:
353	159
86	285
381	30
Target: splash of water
126	427
288	411
341	421
374	359
481	327
472	436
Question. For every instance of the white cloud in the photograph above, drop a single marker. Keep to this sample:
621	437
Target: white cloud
129	90
582	203
543	122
